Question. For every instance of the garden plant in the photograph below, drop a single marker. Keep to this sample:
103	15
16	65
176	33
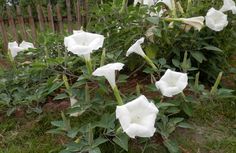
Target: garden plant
132	77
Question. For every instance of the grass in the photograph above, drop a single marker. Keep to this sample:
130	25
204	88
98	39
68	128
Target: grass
214	129
28	135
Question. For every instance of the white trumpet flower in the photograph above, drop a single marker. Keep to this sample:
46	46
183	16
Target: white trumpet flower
196	22
172	83
137	117
228	5
216	20
15	48
83	43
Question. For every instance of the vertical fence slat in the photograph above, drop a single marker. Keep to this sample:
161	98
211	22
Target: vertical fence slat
12	23
40	18
78	13
50	17
32	24
69	16
59	18
4	34
85	13
21	23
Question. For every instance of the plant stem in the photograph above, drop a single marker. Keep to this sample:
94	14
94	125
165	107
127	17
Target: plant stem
124	6
184	97
117	95
149	61
89	66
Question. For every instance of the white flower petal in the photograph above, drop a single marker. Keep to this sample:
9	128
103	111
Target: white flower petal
108	71
216	20
83	43
172	83
136	48
73	101
15	49
145	2
168	3
26	45
228	5
137	118
196	22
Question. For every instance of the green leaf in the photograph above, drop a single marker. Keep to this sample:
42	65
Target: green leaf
187	108
185	125
60	96
160	105
98	141
122	140
58	123
72	133
213	48
10	111
176	120
154	20
95	150
176	62
171	146
55	86
198	56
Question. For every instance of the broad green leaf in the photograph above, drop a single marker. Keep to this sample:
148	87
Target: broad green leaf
154	20
72	133
95	150
160	105
122	140
58	123
198	56
171	146
213	48
55	86
99	141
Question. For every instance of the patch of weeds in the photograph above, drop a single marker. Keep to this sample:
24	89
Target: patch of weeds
29	135
214	129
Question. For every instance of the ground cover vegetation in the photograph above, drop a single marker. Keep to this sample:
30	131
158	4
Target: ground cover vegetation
145	77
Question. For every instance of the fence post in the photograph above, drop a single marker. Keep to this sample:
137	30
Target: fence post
59	18
4	34
21	23
50	17
32	24
12	24
85	13
40	18
78	13
69	17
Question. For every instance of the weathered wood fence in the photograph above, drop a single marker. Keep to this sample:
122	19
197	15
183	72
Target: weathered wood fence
26	28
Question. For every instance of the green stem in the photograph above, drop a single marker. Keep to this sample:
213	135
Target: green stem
89	66
117	95
150	62
184	97
124	6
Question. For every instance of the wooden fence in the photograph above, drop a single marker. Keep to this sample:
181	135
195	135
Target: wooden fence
15	27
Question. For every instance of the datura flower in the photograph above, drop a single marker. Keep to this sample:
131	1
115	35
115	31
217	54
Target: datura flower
73	101
83	43
137	117
216	20
136	48
15	48
108	71
172	83
228	5
196	22
168	3
145	2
